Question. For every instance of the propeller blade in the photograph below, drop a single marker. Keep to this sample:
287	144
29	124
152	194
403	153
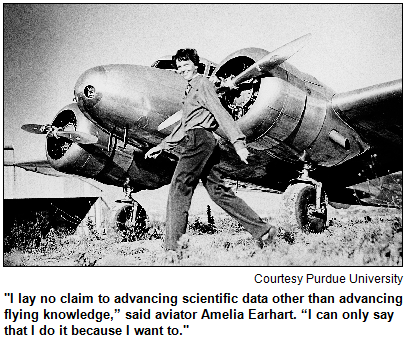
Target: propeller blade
271	60
78	137
74	136
170	120
35	128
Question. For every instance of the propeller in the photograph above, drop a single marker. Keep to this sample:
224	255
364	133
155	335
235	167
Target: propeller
36	128
78	137
170	120
268	62
49	130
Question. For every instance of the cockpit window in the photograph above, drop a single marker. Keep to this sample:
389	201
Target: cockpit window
165	65
211	69
169	65
205	67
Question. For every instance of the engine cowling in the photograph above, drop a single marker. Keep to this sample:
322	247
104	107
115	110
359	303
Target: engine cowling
109	161
267	109
70	157
286	113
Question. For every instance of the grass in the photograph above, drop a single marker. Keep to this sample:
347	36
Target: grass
354	237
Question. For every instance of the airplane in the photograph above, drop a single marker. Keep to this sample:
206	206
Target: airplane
305	140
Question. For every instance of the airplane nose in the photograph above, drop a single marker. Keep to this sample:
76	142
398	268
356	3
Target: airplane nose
89	87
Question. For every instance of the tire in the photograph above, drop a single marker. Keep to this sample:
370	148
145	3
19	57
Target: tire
130	227
298	209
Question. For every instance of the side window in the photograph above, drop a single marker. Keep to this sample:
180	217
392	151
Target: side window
211	69
201	68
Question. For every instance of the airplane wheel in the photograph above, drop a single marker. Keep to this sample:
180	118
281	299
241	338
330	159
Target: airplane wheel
298	209
129	220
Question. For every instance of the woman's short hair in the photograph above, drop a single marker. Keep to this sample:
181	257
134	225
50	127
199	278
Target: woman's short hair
187	54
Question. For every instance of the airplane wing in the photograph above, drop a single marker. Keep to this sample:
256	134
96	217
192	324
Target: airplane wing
374	112
41	166
384	191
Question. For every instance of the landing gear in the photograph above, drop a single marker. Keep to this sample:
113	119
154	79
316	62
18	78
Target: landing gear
129	217
300	209
129	221
304	205
128	190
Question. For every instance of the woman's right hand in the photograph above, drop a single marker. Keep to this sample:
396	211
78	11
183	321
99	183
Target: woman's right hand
243	154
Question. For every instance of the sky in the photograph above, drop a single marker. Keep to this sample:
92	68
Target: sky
48	46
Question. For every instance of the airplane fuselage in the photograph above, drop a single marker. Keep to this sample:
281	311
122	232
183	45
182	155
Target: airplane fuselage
290	114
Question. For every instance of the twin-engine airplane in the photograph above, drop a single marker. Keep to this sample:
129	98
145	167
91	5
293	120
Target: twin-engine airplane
305	140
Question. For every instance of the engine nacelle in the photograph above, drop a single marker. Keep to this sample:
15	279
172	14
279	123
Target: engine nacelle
70	157
109	161
286	113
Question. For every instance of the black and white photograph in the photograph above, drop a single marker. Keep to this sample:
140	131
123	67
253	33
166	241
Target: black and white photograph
202	135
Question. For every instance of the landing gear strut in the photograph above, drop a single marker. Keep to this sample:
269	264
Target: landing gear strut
304	204
129	217
128	190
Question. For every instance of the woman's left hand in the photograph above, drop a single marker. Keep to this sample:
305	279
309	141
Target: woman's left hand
153	152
